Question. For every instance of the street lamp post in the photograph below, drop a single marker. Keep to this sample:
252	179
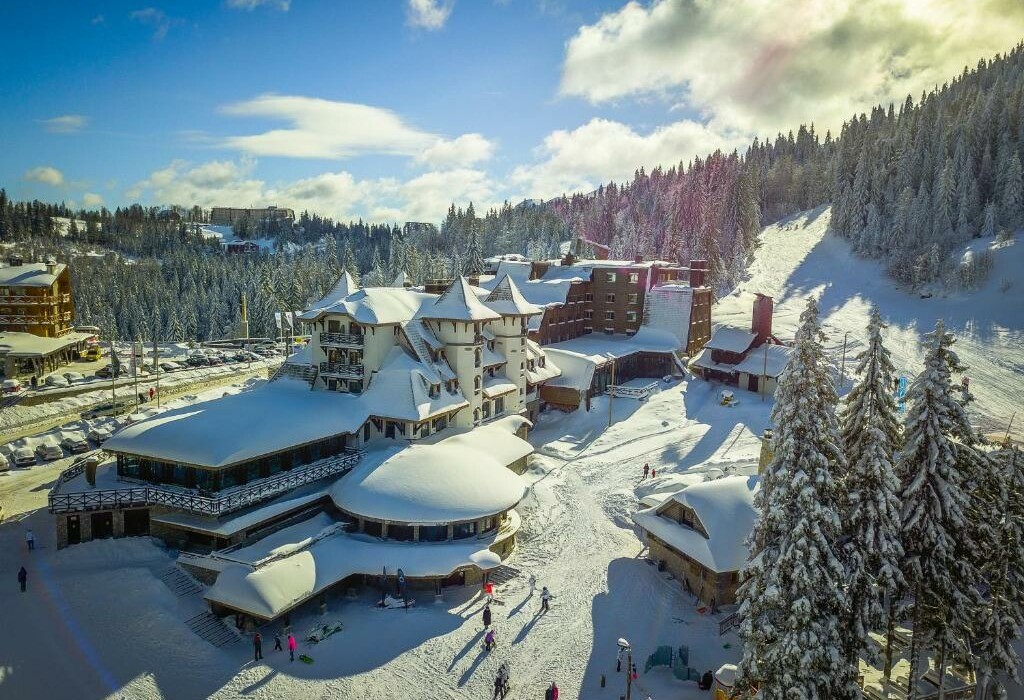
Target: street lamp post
624	646
842	366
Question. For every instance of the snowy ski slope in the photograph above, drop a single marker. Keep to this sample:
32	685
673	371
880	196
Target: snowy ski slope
798	258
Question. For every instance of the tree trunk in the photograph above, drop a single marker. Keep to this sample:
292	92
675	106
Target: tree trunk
942	671
890	628
914	660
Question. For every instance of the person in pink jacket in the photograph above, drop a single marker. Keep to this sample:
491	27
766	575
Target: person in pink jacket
291	645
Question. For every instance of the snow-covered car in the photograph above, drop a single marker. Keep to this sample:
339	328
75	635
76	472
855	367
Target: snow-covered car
73	377
23	457
75	444
109	409
100	433
170	366
197	361
214	360
11	386
55	380
48	452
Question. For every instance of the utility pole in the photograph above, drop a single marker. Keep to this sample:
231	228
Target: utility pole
115	367
611	394
135	371
625	646
157	370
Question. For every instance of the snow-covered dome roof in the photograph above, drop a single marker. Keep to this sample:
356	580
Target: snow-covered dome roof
461	477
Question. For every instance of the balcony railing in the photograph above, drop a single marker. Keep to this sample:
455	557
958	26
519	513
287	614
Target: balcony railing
20	299
34	319
192	501
341	369
347	340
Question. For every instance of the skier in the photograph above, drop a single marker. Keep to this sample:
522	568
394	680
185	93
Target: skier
545	599
647	470
489	642
291	646
152	393
277	641
22	578
257	646
30	540
487	616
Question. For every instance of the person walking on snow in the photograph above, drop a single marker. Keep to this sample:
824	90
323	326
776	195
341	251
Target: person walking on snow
654	473
257	647
277	641
545	599
487	616
22	578
552	692
533	584
497	686
30	540
489	642
291	646
503	675
647	470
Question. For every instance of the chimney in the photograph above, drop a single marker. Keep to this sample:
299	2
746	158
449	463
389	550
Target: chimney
698	271
51	266
14	261
568	260
761	324
638	259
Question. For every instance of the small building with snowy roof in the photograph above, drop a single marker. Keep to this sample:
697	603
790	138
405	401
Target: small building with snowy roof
700	534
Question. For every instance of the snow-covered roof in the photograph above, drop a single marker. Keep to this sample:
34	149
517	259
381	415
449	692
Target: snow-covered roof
29	345
725	507
731	339
492	358
539	374
507	300
668	307
273	417
270	590
457	477
498	385
345	285
29	275
703	360
375	305
458	303
401	389
579	357
755	362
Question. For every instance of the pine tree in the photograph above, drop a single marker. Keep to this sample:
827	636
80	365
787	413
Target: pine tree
871	436
937	464
1002	614
474	255
1012	195
793	601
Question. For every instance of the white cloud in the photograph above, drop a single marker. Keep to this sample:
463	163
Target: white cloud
65	124
157	19
91	199
336	194
603	150
429	14
47	175
98	19
755	66
338	130
282	5
467	149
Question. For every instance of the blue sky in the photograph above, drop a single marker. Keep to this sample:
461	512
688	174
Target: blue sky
391	109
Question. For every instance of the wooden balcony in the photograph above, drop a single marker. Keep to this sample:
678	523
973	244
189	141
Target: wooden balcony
35	319
341	340
343	370
35	299
190	500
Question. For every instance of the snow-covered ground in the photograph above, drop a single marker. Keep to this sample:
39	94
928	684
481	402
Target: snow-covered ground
98	623
797	259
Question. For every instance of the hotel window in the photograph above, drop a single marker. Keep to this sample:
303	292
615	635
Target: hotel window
464	530
634	277
611	276
433	533
633	298
631	316
499	405
334	326
609	298
609	315
588	314
590	297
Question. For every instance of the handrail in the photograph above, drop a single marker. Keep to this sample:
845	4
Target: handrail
340	339
728	622
341	369
191	501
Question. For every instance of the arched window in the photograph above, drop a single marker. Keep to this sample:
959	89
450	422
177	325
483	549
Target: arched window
476	415
476	383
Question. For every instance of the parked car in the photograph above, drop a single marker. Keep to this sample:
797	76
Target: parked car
75	445
23	457
100	433
169	366
109	409
73	377
196	361
11	386
107	371
55	380
92	353
48	452
214	361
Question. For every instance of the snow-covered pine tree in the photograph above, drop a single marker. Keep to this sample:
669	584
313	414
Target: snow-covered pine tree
377	276
1002	614
792	601
937	464
474	253
871	435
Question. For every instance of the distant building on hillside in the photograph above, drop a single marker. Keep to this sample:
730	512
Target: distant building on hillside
36	298
241	248
227	216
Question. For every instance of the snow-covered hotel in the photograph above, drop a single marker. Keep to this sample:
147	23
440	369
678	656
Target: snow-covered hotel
393	441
